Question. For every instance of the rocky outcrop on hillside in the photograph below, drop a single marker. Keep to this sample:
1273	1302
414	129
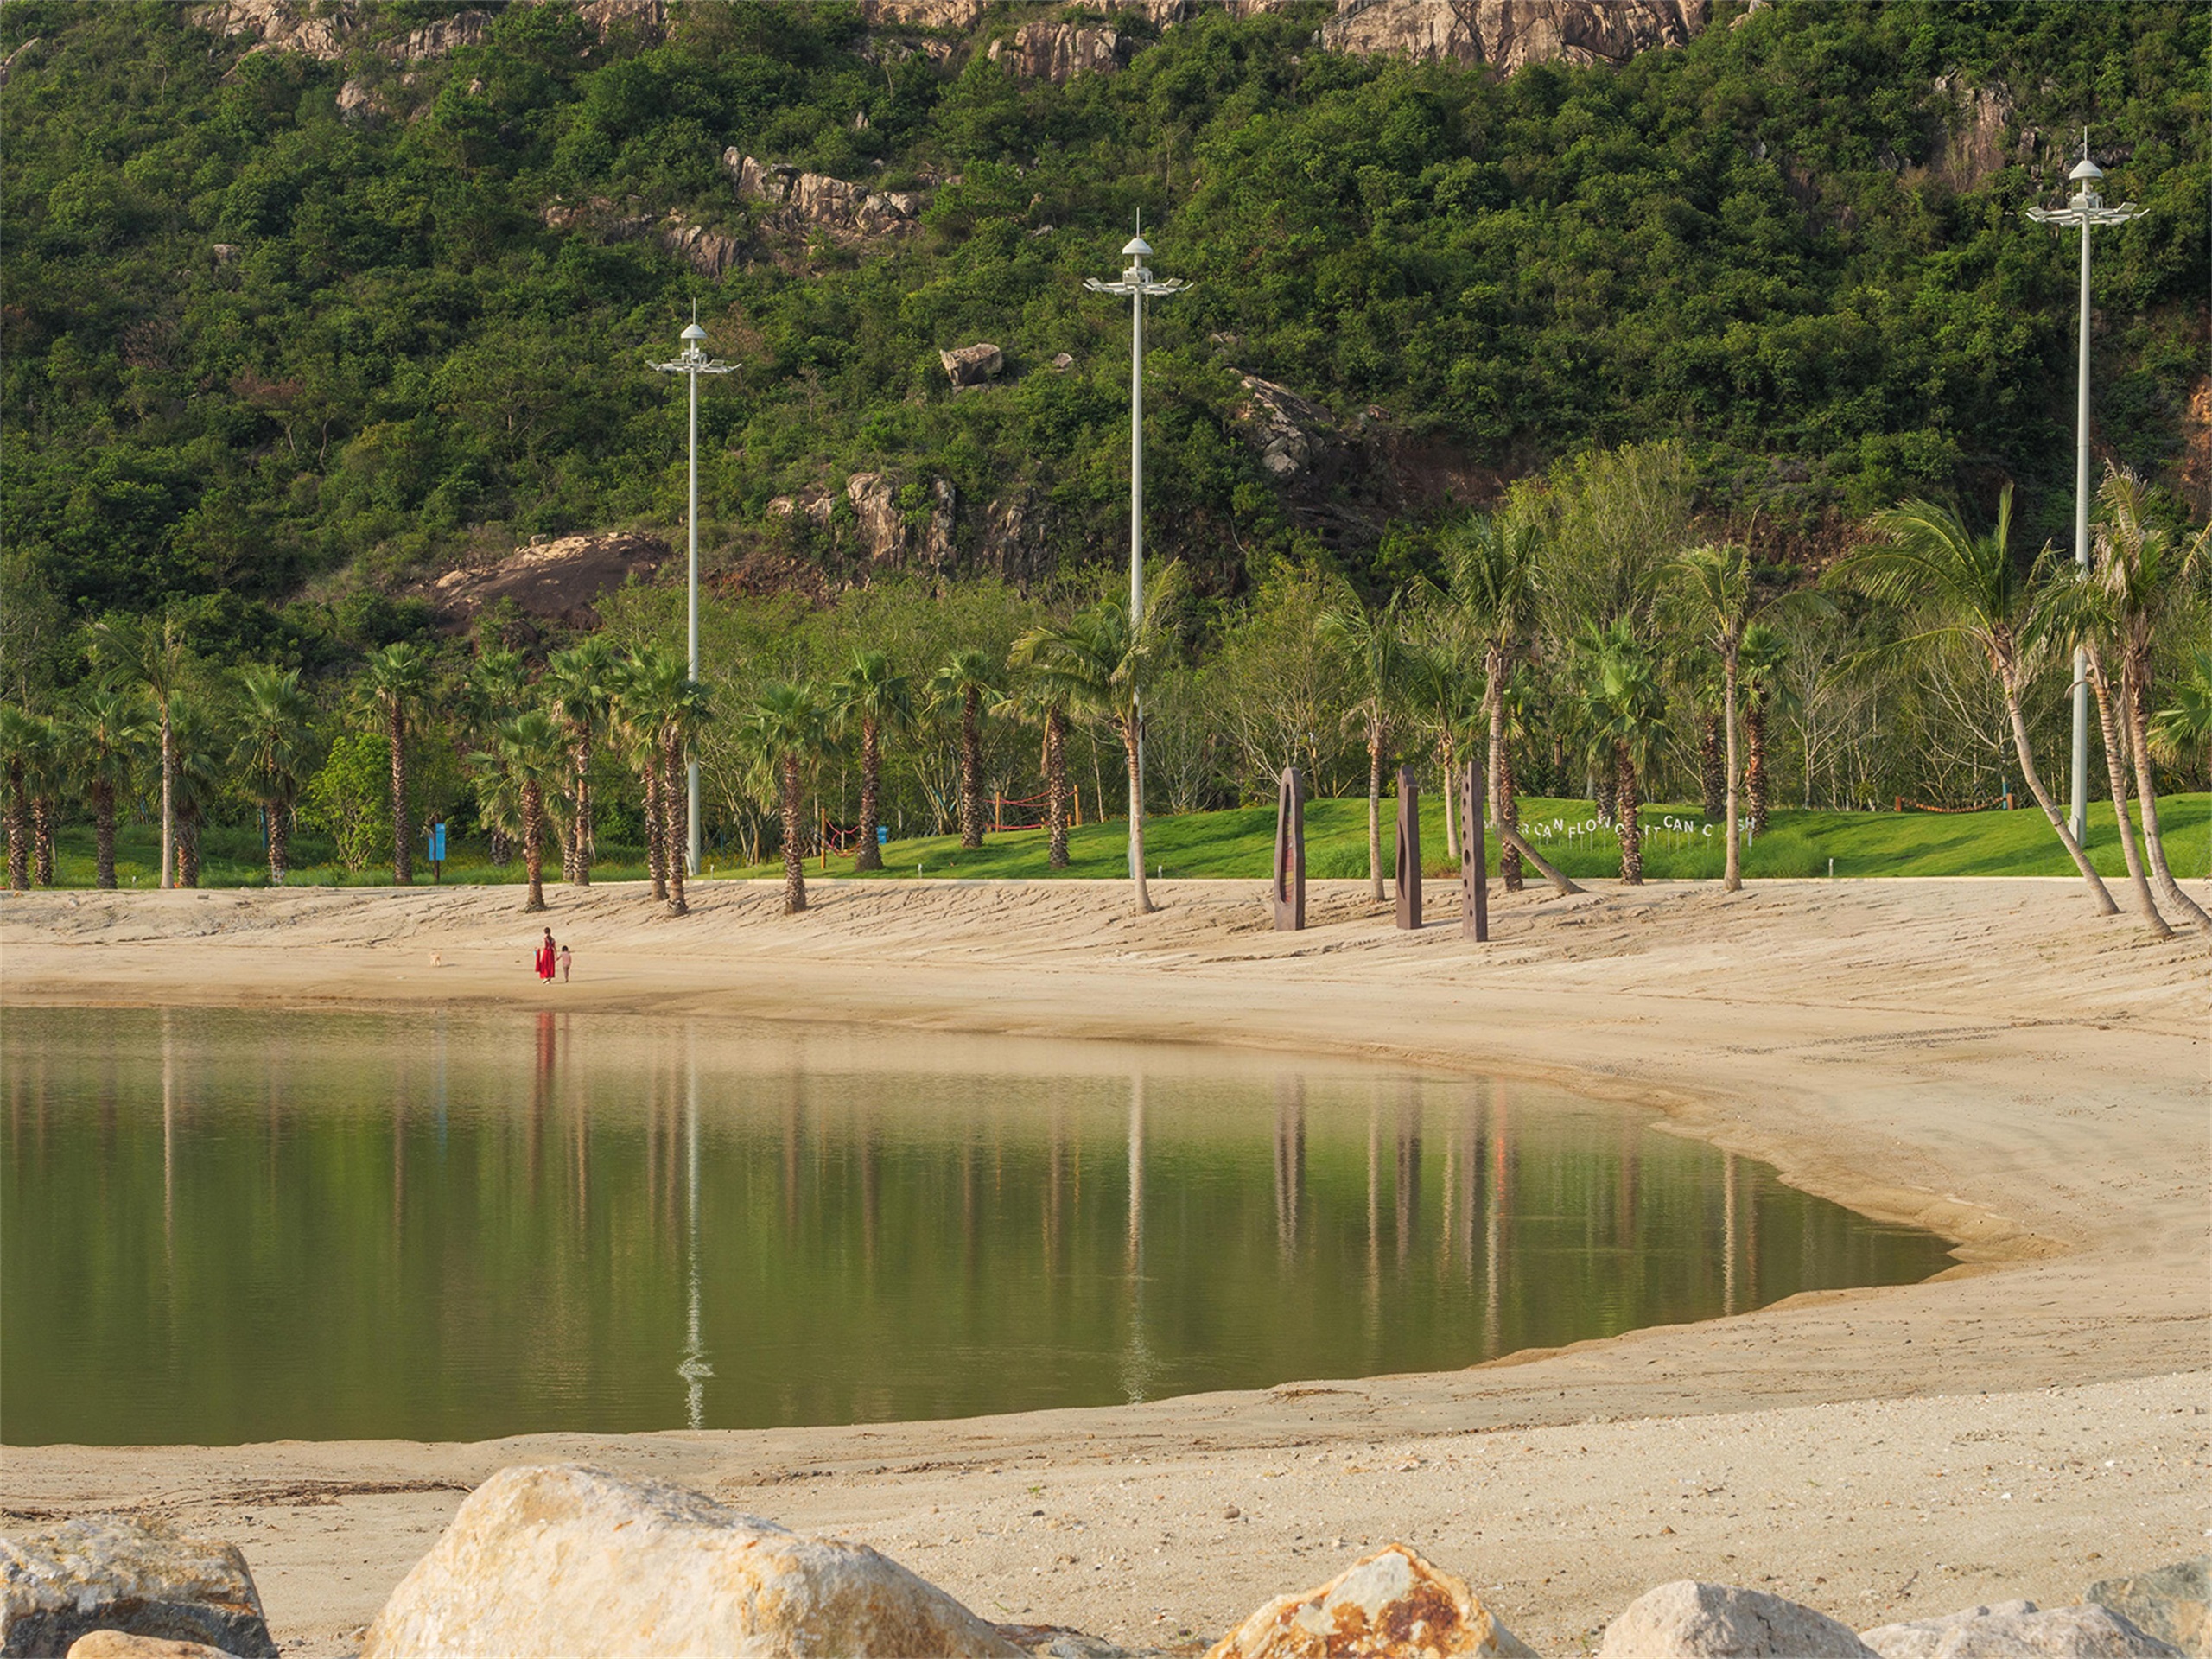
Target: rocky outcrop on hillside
434	40
803	202
646	19
710	252
557	581
1506	33
1058	52
281	26
923	14
326	33
1975	142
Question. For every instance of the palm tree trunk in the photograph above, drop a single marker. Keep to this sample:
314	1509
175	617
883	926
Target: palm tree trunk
1604	792
168	800
1732	877
1711	777
104	836
1056	786
188	850
656	831
1755	778
867	856
403	832
1128	729
19	829
2134	719
2033	779
1374	806
671	791
1446	772
42	840
271	810
971	771
1509	818
583	876
794	852
1632	832
533	845
2116	772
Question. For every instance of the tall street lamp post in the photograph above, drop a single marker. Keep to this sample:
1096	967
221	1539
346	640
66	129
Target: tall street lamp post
1139	284
692	362
2085	209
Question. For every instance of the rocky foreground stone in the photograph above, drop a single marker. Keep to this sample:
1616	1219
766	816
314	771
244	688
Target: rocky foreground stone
556	1560
106	1573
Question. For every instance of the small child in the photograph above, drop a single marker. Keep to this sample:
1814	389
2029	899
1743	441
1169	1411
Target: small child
564	964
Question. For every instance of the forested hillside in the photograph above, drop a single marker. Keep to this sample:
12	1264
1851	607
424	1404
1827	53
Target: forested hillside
300	315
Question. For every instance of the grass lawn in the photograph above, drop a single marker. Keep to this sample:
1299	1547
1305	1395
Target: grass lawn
1239	843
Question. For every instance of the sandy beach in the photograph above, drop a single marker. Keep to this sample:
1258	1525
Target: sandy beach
1985	1058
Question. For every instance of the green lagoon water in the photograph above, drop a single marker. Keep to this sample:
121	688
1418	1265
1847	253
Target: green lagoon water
225	1227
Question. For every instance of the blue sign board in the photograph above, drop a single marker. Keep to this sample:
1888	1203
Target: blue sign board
437	833
883	834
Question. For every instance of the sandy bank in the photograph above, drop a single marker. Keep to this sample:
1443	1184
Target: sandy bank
1985	1058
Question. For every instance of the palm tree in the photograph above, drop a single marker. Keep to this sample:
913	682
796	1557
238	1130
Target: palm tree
1373	638
197	767
684	713
645	690
495	690
1627	710
154	655
1761	659
534	752
580	680
785	730
969	678
1036	703
399	678
1966	585
2185	724
272	750
110	731
874	694
1093	664
2145	570
45	774
1717	583
19	739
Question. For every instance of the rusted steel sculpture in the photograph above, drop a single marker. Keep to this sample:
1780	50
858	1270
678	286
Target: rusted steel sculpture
1289	890
1474	883
1408	848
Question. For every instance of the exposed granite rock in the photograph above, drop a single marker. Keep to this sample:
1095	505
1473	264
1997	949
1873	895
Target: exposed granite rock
815	505
1014	546
708	253
1972	145
971	366
2173	1603
1689	1620
563	1560
924	14
875	510
1391	1605
1060	1641
1291	433
114	1645
1058	52
556	579
61	1581
801	201
2018	1630
21	55
281	26
358	105
646	19
1508	33
434	40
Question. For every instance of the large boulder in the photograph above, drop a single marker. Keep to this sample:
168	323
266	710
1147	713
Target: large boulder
103	1571
2017	1630
1390	1604
2173	1603
1689	1620
971	366
114	1645
561	1560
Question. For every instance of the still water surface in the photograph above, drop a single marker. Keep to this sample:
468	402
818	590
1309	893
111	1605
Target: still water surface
222	1227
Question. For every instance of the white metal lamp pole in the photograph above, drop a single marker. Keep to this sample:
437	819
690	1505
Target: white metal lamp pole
2085	209
1137	281
693	362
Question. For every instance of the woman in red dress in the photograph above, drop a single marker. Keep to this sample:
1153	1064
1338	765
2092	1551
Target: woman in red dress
545	958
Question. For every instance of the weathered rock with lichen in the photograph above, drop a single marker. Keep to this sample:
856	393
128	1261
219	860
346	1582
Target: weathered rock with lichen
103	1571
1058	52
2173	1603
800	201
2017	1630
115	1644
1689	1620
1506	33
281	26
563	1560
1391	1605
971	366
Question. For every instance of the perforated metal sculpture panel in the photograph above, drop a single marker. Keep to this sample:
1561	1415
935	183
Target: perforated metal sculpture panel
1408	848
1289	890
1474	883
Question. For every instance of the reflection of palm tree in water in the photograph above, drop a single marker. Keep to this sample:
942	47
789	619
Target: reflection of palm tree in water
541	1090
1406	1195
1138	1364
1494	1230
1290	1161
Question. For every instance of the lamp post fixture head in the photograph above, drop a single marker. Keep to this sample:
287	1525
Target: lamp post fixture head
2086	207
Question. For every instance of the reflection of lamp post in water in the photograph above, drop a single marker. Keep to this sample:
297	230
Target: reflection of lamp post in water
694	1370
